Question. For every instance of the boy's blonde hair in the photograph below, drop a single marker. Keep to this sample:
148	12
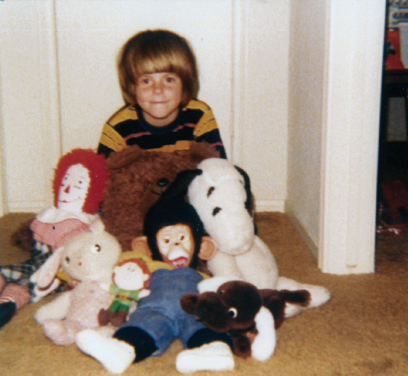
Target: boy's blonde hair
155	51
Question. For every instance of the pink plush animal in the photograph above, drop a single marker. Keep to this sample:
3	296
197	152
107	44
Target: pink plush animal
89	258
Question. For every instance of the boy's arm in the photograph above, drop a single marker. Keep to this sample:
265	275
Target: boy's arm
207	131
110	141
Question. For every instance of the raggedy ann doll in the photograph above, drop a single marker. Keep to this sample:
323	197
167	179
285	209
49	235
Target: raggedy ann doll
174	240
79	180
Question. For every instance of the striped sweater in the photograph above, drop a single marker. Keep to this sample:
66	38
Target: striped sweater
127	127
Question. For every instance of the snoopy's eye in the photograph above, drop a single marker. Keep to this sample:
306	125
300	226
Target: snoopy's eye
96	248
210	190
67	260
233	313
216	211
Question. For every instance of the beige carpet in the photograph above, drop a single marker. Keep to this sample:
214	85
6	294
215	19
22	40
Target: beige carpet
363	330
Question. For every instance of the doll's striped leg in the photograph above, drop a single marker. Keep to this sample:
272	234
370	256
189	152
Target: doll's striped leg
12	298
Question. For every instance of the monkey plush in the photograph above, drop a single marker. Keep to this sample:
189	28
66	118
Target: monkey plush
173	236
174	233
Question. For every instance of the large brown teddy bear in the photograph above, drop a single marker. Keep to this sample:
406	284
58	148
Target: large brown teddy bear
137	180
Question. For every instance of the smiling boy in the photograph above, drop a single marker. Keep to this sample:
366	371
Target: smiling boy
159	81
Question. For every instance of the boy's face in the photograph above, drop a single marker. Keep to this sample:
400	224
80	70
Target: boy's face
159	96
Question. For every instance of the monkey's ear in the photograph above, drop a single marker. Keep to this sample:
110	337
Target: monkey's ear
208	248
140	244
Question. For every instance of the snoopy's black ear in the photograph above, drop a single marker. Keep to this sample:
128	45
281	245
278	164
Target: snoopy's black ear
180	185
247	185
249	203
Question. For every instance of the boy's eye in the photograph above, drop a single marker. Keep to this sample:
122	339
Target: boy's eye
143	81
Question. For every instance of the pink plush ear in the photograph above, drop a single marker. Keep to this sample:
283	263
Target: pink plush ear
44	276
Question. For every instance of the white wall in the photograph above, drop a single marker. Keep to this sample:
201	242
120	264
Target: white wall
335	86
307	64
57	94
29	112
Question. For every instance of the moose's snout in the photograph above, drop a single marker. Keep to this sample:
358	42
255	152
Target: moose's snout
201	313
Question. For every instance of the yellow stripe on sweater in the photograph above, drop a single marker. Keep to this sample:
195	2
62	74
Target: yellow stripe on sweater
206	124
112	139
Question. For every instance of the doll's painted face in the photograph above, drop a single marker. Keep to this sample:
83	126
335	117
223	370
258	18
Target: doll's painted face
130	276
74	189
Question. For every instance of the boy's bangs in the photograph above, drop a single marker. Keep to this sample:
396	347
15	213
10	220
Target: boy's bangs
158	64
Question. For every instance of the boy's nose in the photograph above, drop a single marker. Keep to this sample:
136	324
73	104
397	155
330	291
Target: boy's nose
66	190
158	87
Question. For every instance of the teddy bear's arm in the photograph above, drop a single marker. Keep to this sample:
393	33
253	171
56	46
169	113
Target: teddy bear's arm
56	309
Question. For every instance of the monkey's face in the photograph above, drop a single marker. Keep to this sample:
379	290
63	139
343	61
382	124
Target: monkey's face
176	245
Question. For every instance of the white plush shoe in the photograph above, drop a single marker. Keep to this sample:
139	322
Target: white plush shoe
116	356
215	356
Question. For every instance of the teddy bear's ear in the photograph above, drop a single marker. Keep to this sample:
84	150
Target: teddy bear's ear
208	248
189	302
125	158
141	245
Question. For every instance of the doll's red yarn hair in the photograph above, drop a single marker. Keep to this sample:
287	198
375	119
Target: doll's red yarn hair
98	173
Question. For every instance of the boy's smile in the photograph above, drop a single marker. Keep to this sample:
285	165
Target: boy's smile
159	96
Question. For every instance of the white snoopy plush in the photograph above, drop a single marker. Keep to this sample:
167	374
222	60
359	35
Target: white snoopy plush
220	192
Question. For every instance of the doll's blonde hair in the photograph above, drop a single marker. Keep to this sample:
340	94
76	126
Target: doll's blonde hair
155	51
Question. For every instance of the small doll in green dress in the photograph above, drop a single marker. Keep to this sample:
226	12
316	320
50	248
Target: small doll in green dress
130	282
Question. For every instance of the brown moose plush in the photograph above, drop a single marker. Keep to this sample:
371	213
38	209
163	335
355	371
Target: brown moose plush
137	180
249	315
